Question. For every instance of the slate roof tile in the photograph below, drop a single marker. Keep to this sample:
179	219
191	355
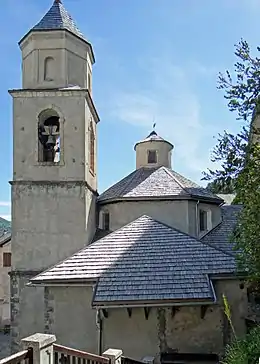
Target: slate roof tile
57	17
5	225
220	236
144	260
155	182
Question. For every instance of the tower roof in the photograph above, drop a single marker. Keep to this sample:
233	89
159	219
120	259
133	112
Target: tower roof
153	137
58	18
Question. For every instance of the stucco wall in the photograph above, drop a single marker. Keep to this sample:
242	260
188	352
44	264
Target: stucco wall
214	216
4	287
49	223
72	60
172	213
178	214
27	308
68	315
163	150
185	330
74	114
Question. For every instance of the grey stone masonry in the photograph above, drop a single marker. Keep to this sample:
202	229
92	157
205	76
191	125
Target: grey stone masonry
48	311
18	281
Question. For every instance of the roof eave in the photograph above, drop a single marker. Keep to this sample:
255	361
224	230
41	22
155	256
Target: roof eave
92	56
150	141
62	282
152	303
163	198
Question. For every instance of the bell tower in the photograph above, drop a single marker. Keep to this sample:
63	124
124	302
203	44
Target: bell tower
54	184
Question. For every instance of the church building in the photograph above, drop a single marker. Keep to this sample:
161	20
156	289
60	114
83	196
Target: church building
141	267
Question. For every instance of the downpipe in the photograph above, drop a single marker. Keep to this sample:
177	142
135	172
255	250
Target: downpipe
99	323
197	218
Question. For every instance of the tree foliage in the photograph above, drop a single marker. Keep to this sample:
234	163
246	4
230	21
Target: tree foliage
245	350
239	155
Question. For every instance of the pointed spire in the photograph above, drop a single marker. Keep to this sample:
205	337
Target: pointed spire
58	18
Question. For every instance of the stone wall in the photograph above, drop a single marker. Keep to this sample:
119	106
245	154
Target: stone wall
27	307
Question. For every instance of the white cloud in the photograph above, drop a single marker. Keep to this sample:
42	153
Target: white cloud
6	217
169	100
5	203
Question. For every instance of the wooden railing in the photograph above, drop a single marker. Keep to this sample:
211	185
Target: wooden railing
65	355
22	357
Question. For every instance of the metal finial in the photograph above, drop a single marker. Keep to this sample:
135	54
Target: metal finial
154	124
57	1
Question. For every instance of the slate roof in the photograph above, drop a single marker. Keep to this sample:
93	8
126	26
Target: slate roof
58	18
5	237
153	137
155	183
4	225
219	237
144	261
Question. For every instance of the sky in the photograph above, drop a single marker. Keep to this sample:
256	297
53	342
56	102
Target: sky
156	61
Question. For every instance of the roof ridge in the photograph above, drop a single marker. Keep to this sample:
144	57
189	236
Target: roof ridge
131	179
197	239
183	233
85	247
175	179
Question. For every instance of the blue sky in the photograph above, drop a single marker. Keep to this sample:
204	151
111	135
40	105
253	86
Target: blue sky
155	59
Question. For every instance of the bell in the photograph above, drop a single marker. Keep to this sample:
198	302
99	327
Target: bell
51	140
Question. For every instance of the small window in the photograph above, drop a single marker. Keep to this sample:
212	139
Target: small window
203	220
152	156
106	221
7	259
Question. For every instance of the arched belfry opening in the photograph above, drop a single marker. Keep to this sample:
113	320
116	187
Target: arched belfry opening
49	136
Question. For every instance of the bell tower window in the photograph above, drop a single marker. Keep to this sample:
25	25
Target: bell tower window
91	149
152	157
49	137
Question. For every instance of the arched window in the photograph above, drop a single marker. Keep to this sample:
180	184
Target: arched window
91	148
49	136
49	69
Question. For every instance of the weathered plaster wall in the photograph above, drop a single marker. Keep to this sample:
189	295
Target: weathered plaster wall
68	315
72	60
27	308
53	206
49	223
165	329
178	214
4	287
214	215
163	150
172	213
